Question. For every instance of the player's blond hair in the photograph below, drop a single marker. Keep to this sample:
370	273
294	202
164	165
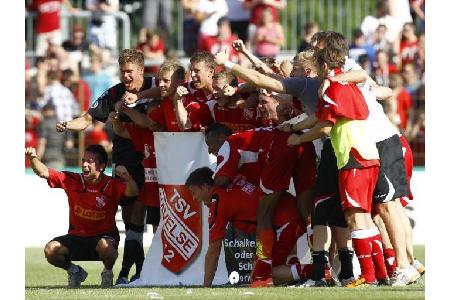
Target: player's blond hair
229	78
131	56
174	66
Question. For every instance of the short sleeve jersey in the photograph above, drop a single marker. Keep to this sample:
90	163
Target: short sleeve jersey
47	15
243	153
123	151
198	114
238	204
92	207
237	119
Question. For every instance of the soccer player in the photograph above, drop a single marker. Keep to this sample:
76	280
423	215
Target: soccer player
238	204
179	111
143	141
341	114
226	109
93	200
261	157
131	63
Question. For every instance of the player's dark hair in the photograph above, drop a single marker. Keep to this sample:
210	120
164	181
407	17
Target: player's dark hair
336	40
200	176
131	56
331	56
222	20
99	152
206	57
318	37
218	128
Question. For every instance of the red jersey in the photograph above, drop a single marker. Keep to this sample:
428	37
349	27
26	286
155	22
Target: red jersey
143	141
238	204
214	45
156	48
404	104
92	207
237	119
257	11
198	114
82	93
408	51
198	95
344	100
243	153
47	15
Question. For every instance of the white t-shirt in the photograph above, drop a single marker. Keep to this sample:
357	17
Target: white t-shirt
378	124
215	10
370	24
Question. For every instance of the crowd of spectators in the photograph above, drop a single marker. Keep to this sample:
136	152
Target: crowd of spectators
68	76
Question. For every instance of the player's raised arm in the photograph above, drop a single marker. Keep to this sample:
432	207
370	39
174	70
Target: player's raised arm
180	111
211	260
138	118
319	130
249	75
38	167
150	93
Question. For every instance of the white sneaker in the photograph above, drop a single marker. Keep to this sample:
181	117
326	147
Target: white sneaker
413	274
107	278
419	267
400	277
312	283
75	279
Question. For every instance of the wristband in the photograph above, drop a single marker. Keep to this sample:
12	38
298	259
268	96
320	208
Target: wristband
229	65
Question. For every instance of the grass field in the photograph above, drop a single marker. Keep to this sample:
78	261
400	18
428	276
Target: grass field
46	282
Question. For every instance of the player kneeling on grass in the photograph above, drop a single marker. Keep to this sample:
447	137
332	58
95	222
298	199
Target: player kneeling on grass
238	204
93	200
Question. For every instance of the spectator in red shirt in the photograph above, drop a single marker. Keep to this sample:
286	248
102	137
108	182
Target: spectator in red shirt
48	24
400	106
93	200
269	36
223	40
98	136
409	44
153	49
256	8
32	119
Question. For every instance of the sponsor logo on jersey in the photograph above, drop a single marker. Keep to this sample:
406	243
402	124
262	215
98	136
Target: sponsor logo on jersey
89	214
100	202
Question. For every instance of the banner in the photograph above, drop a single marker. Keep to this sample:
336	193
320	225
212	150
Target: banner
177	253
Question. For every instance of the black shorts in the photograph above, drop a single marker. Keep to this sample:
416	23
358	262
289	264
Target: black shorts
83	248
153	215
327	172
329	213
392	180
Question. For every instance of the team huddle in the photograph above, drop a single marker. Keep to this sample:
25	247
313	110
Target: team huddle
304	143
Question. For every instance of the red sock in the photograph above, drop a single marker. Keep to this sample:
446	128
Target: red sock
262	270
363	251
301	272
378	258
264	244
390	261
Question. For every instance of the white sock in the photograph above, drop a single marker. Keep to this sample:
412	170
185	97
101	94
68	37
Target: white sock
294	272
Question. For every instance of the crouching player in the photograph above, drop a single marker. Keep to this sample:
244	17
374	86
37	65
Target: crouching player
238	204
93	200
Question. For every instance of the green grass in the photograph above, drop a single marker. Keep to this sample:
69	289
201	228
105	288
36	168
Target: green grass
46	282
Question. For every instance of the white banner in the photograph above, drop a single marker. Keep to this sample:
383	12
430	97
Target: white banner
176	256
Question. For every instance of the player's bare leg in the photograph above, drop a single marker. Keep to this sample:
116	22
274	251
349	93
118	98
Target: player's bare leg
286	274
388	249
108	255
57	255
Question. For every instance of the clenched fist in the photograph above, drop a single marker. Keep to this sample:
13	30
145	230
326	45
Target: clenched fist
129	98
181	91
61	126
238	45
30	152
122	172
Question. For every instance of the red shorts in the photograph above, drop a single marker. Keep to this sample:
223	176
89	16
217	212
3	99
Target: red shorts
409	164
279	165
286	237
356	187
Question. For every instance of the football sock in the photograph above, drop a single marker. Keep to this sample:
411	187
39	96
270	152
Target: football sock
73	268
346	258
390	261
362	244
301	272
133	251
320	260
378	258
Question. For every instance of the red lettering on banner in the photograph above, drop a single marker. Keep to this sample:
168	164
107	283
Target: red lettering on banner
181	227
